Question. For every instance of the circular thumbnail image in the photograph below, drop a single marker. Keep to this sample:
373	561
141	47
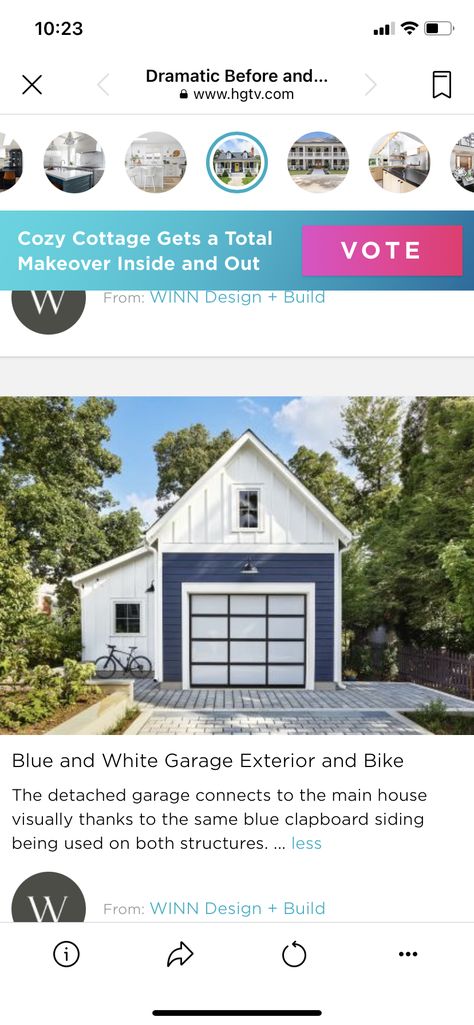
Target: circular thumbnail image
155	162
399	162
11	162
318	162
237	163
462	162
74	162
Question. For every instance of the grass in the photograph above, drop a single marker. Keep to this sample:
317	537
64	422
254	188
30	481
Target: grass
122	724
436	718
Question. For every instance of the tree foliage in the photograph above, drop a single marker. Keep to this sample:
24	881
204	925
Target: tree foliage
319	472
182	457
54	463
17	587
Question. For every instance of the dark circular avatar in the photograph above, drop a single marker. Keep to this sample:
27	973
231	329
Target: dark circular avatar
49	312
48	897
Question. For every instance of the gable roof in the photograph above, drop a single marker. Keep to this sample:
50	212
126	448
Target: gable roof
249	437
77	578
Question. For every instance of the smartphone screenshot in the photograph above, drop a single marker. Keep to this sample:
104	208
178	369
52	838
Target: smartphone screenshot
236	514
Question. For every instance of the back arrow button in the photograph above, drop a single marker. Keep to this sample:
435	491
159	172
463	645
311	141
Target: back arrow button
101	85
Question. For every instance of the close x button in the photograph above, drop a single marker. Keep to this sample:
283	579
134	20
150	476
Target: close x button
32	83
370	250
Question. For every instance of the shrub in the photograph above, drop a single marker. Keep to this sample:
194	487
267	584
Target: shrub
52	639
361	659
44	690
390	661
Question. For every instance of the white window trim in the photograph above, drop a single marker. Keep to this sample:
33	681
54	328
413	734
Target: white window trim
236	528
229	588
127	601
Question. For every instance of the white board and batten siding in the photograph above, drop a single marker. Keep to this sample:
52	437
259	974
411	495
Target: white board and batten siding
208	517
126	582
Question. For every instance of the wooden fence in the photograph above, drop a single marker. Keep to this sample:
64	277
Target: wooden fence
443	670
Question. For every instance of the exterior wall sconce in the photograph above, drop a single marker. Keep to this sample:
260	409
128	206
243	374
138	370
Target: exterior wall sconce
248	568
151	588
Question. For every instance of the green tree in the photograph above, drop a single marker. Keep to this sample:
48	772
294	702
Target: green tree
424	536
54	462
182	457
457	560
371	444
319	472
17	588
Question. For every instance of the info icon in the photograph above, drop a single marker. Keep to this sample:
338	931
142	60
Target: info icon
48	313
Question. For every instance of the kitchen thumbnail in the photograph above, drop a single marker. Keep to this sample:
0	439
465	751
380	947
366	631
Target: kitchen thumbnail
11	162
399	162
74	162
155	162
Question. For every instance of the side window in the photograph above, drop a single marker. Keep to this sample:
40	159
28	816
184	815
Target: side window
127	617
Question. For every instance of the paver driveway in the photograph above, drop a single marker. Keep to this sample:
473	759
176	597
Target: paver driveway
366	708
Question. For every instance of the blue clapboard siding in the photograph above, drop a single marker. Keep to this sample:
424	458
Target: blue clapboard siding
226	569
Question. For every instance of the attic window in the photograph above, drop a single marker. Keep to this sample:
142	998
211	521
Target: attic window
249	510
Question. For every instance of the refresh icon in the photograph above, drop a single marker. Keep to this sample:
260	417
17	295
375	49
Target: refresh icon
294	955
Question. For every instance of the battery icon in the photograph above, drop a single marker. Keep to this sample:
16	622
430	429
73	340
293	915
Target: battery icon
438	28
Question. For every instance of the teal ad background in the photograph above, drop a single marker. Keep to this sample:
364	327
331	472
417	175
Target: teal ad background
280	263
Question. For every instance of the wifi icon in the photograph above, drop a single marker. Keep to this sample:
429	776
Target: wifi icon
409	27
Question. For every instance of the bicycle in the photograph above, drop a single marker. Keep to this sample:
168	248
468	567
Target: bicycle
138	665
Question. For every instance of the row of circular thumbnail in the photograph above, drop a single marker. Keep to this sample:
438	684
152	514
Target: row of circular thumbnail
317	162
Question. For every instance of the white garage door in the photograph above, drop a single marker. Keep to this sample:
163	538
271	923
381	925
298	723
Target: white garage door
247	640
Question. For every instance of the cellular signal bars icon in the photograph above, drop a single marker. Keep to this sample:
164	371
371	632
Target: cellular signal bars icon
385	30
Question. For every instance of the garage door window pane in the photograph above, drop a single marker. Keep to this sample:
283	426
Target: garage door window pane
210	604
286	676
286	604
286	651
209	651
248	604
244	651
209	626
281	626
247	676
245	626
210	676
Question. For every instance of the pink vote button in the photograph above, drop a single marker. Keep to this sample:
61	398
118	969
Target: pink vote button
367	250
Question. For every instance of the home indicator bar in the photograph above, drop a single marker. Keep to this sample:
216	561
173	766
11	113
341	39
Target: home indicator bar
238	1014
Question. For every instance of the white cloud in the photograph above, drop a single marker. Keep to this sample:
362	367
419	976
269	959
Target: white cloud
312	421
145	505
253	408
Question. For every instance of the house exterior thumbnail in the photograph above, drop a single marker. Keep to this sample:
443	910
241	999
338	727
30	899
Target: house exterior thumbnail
318	153
237	585
245	162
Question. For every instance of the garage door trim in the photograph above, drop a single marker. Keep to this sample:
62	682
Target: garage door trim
271	589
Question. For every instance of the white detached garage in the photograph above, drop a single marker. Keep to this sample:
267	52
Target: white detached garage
238	585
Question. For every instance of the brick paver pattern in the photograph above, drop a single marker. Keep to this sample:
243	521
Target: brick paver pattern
366	708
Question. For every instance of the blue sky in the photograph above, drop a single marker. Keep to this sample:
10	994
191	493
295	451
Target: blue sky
283	423
317	135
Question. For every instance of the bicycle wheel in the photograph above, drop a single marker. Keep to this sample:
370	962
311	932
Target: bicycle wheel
140	667
105	667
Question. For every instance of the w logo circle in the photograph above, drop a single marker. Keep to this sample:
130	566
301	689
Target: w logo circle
48	897
48	313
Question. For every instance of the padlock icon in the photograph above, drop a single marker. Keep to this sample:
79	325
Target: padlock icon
183	94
